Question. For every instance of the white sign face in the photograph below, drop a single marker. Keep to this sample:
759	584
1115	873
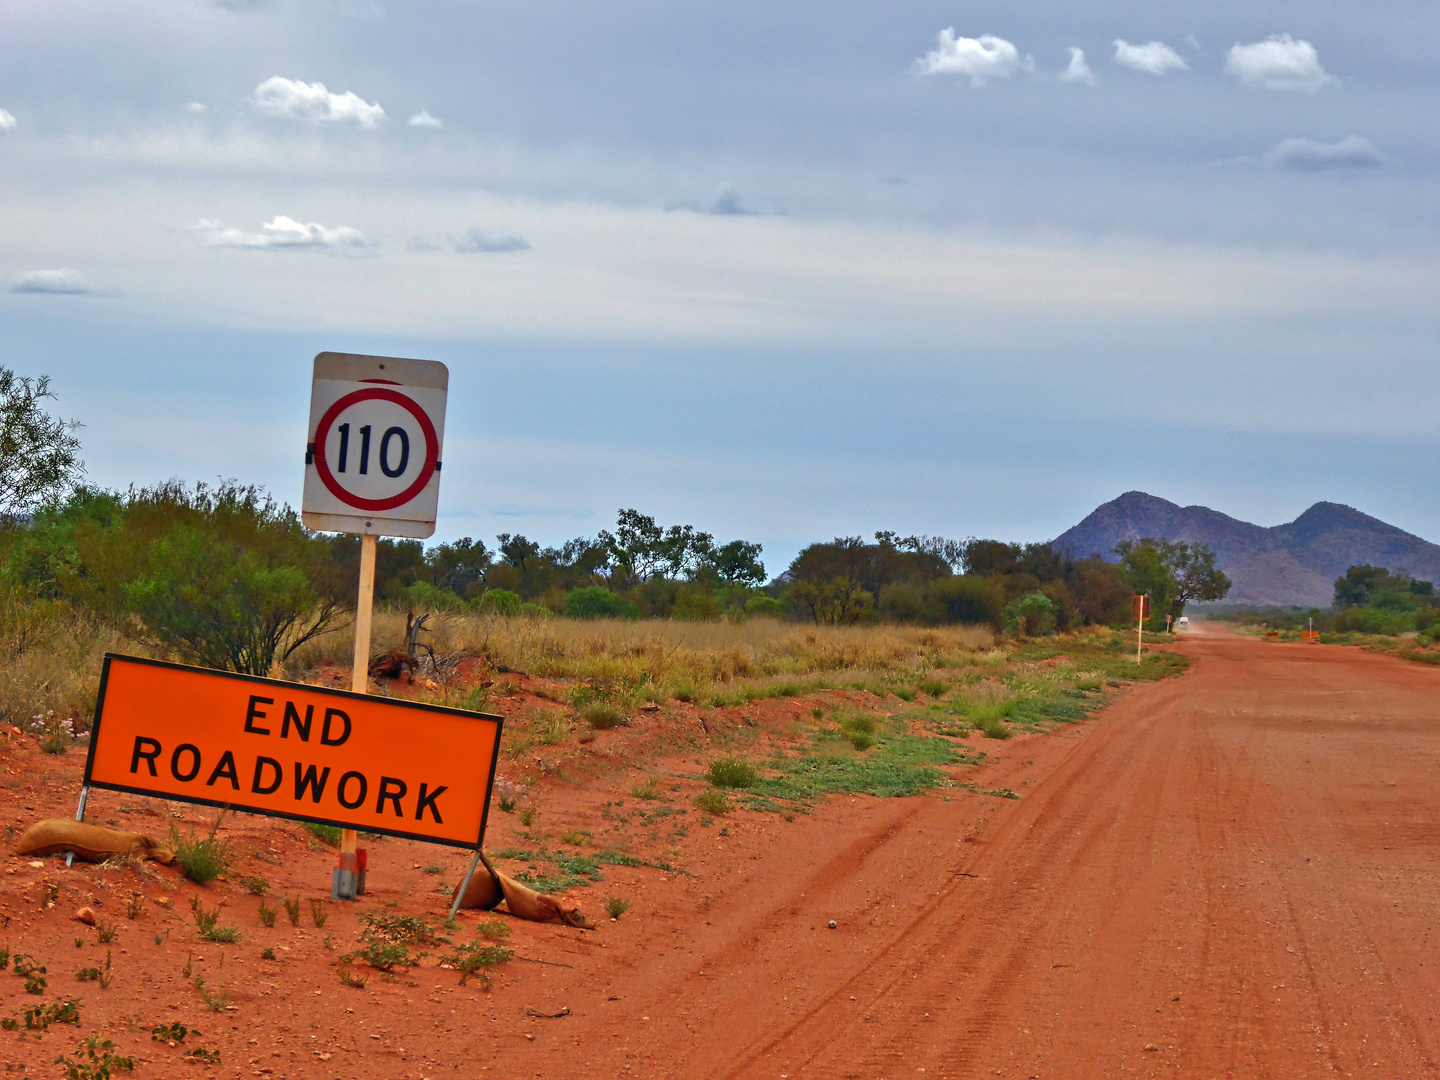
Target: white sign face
372	459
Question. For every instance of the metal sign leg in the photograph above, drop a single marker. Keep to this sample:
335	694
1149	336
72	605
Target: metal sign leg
464	884
79	816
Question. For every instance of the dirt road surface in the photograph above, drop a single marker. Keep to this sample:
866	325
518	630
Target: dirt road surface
1231	874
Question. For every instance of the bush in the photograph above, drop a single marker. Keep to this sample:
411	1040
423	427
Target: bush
598	602
202	860
603	716
502	602
536	611
695	606
1032	615
731	773
969	598
766	606
225	577
713	802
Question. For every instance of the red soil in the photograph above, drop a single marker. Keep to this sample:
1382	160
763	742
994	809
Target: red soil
1228	874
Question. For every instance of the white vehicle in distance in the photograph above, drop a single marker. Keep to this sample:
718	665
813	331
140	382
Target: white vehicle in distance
1182	623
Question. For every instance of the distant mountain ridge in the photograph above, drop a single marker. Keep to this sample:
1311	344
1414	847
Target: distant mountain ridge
1295	563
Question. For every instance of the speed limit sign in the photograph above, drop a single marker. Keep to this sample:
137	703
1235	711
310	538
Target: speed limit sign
372	462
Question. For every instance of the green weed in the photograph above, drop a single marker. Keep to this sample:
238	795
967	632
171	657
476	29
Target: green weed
615	907
201	860
731	773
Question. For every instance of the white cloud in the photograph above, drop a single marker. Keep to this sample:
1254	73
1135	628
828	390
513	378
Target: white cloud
58	282
7	121
980	59
294	100
478	241
1078	70
1307	155
285	234
1278	63
1153	58
196	107
424	119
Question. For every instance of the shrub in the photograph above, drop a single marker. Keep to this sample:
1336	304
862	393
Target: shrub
225	577
202	860
731	773
691	605
326	834
969	598
766	606
603	716
713	802
500	601
536	611
598	602
648	790
615	907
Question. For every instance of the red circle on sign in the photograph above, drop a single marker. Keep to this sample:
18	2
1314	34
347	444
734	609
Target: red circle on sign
349	498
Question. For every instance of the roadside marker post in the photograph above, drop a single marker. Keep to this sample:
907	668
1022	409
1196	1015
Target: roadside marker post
372	467
1139	611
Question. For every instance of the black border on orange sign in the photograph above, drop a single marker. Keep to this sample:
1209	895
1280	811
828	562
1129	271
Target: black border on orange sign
100	708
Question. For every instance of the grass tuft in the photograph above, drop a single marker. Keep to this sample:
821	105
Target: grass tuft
731	773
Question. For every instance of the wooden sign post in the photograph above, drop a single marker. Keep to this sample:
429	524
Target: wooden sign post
372	466
1139	611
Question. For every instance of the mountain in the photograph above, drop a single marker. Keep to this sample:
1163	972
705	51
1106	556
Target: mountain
1296	563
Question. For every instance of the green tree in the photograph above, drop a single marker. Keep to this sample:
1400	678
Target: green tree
224	577
39	453
1172	574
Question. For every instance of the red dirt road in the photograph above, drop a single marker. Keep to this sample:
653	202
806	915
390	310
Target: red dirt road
1231	874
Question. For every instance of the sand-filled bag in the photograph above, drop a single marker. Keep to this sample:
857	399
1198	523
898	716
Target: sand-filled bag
488	887
90	843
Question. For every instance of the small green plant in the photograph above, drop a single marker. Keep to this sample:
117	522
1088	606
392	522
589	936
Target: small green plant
474	959
35	984
57	741
932	687
992	727
318	914
326	834
216	1000
345	969
267	954
712	801
527	815
859	731
9	1023
434	869
105	932
49	893
25	966
79	942
615	907
648	790
207	1057
40	1017
904	693
135	905
256	886
171	1033
99	1061
106	976
401	929
555	731
385	957
267	913
201	860
493	929
603	716
4	959
88	974
292	910
731	773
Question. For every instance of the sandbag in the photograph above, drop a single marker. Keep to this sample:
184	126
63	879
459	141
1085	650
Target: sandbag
488	887
90	843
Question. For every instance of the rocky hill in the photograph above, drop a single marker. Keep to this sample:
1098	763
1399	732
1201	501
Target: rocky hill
1295	563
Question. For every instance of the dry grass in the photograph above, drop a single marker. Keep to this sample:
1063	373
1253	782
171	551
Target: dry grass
50	660
708	663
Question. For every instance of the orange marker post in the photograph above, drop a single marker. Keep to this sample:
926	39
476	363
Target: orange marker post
1139	611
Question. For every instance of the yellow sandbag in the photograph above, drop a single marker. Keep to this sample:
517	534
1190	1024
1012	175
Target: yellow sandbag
90	843
488	887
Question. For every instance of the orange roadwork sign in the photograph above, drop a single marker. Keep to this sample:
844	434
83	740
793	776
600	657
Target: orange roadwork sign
295	751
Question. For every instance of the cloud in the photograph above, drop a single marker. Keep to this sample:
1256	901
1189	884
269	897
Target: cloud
1307	155
293	100
424	119
473	242
726	202
1278	63
55	282
1078	70
7	122
196	107
478	241
285	234
980	59
1153	58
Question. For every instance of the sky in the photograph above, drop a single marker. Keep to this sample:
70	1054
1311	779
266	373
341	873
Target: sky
781	272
